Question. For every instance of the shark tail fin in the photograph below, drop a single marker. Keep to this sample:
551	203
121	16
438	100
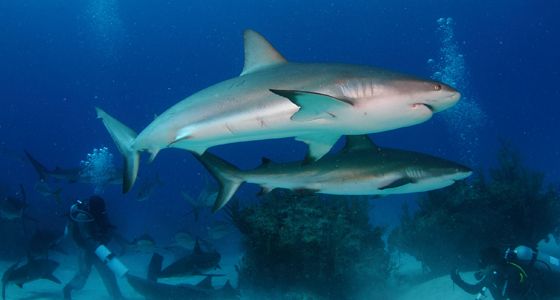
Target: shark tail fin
41	170
123	137
154	268
227	175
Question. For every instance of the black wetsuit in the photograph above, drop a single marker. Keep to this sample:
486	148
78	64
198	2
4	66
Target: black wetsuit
504	281
88	234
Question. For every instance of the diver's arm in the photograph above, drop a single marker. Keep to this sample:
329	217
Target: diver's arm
472	289
88	241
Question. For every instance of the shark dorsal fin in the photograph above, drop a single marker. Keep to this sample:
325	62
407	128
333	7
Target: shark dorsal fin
358	142
259	53
205	283
196	249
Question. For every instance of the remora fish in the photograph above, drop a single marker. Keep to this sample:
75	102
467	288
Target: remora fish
195	263
361	168
273	98
34	269
70	175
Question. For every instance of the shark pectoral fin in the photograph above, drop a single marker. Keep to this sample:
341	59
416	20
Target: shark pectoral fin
123	137
52	278
398	183
319	145
313	106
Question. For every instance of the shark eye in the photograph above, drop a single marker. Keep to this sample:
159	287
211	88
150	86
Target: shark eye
437	87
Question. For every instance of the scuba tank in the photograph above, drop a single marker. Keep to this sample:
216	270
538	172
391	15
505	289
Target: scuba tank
529	257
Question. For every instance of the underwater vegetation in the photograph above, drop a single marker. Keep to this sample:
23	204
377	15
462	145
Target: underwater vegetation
310	247
510	207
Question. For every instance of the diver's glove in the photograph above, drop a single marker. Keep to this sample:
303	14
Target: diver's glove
111	261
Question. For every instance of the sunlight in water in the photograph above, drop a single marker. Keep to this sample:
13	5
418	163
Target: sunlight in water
465	120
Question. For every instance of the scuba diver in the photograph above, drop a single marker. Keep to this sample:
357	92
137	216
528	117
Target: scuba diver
91	230
519	274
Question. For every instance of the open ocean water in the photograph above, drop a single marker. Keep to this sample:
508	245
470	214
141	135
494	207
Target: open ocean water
61	59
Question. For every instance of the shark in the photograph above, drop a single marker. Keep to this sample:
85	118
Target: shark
70	175
272	98
13	207
34	269
195	263
153	290
360	168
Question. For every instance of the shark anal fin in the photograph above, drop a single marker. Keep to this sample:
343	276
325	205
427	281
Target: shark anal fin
398	183
313	106
319	145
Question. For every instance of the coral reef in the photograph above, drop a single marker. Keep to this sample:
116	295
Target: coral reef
310	247
512	207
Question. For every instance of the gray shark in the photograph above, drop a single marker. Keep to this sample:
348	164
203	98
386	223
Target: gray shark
204	290
70	175
360	168
13	207
34	269
196	263
273	98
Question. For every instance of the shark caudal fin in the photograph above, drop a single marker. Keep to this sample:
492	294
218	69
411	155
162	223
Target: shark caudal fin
123	137
227	175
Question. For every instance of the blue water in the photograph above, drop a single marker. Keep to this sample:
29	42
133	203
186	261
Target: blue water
60	59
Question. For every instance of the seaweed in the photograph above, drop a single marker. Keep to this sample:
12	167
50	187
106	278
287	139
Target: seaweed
299	245
451	225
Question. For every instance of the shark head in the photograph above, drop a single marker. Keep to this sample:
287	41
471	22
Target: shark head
425	94
391	100
436	174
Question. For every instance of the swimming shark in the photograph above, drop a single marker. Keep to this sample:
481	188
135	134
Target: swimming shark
153	290
70	175
204	290
13	207
195	263
360	168
34	269
273	98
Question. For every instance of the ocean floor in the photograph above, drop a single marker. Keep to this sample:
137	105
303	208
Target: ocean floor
438	288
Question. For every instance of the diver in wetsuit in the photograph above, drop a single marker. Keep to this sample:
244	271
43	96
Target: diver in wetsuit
519	274
90	229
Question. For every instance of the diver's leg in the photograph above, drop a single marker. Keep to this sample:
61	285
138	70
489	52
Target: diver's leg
109	279
79	280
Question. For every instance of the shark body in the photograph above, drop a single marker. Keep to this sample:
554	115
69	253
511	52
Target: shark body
273	98
361	168
34	269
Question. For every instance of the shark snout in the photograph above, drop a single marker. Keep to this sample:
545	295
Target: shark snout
445	98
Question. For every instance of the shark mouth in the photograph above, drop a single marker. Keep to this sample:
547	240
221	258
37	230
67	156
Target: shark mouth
417	105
